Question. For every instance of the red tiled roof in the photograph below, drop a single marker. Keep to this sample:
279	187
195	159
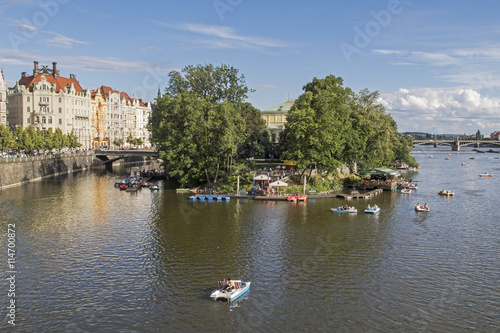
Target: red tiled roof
60	82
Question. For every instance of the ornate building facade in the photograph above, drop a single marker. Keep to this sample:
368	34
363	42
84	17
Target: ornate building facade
125	116
3	99
47	100
98	118
100	137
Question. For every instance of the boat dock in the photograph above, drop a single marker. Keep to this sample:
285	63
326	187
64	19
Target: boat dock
352	195
357	195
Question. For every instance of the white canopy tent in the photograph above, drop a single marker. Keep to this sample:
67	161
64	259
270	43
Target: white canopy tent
278	183
261	177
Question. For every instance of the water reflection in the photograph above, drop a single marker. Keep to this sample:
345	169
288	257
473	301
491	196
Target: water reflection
94	258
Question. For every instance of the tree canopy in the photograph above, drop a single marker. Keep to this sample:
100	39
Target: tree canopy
29	139
329	125
201	121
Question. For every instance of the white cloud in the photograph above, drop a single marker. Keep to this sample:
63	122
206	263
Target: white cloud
84	63
443	110
225	37
61	41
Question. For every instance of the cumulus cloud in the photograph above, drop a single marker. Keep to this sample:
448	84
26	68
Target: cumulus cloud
442	110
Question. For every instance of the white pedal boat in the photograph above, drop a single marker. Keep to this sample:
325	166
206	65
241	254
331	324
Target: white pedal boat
241	288
372	210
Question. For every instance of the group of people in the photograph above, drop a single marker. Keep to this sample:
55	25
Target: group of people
423	206
346	207
375	207
227	284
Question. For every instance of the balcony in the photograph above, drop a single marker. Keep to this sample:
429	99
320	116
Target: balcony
43	103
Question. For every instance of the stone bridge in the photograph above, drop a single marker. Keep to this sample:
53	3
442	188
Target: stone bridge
455	144
110	156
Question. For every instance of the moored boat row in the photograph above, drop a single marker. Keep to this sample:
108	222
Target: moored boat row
209	197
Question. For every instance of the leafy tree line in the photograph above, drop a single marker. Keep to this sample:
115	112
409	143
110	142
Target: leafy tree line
29	139
329	126
204	130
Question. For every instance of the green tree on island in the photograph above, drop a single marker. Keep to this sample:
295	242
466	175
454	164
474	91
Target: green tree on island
329	126
201	121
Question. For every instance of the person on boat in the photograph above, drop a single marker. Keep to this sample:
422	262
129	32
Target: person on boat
229	285
369	206
223	283
425	206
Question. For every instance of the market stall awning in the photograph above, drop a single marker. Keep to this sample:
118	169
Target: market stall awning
278	183
261	177
379	171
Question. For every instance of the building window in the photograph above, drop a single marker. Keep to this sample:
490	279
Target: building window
60	121
60	99
50	120
27	120
27	99
60	110
28	109
44	120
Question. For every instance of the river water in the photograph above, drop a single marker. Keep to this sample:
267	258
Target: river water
91	258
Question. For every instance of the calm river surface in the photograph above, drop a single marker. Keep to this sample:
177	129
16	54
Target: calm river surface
91	258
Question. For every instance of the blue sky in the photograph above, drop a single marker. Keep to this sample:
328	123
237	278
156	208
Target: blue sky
435	63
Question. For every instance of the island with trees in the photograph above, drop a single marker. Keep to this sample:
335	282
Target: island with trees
206	132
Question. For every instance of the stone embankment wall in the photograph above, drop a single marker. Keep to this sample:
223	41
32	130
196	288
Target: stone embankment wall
28	169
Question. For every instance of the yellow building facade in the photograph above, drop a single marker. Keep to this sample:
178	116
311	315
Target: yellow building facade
275	118
100	137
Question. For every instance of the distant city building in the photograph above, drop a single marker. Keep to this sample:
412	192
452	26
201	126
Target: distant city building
98	118
3	99
495	135
47	100
125	116
275	118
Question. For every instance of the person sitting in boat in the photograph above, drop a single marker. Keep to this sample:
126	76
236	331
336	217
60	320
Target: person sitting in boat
369	206
229	285
425	206
223	284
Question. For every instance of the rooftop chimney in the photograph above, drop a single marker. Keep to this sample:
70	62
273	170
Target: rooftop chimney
36	71
72	77
23	74
55	73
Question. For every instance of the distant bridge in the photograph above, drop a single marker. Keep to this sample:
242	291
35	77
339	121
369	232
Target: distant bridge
455	144
110	156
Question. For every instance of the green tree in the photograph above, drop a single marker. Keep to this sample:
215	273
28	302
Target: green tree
117	142
130	139
317	123
6	138
18	136
376	130
28	139
73	140
199	124
49	139
59	139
